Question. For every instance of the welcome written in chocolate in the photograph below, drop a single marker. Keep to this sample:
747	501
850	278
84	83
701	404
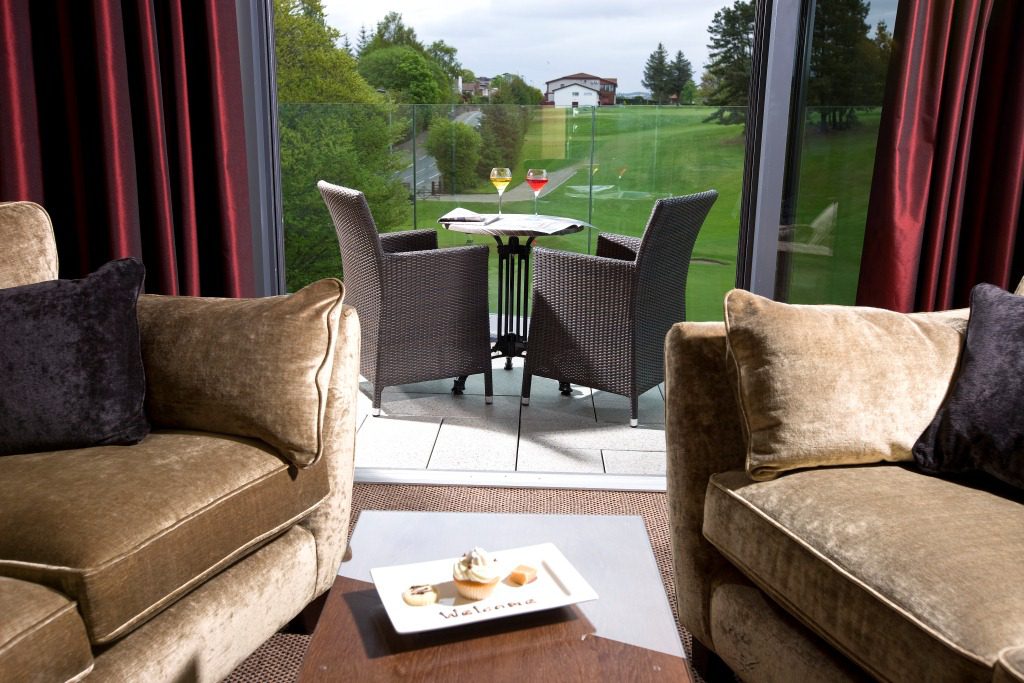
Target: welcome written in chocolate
471	610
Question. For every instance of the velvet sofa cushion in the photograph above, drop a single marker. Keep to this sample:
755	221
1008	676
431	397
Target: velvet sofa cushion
911	576
257	368
72	372
42	638
126	531
29	252
981	424
835	385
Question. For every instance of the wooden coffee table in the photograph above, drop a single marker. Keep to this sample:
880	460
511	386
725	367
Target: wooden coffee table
627	634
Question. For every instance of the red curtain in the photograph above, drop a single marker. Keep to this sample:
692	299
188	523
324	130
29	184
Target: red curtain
123	119
945	208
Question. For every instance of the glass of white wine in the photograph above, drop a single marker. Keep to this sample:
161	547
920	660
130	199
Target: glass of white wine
500	178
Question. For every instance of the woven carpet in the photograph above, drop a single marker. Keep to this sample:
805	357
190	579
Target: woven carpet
280	658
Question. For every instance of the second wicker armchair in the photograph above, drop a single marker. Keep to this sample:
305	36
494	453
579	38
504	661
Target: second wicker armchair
422	310
600	321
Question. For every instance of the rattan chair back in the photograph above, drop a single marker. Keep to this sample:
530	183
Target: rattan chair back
663	265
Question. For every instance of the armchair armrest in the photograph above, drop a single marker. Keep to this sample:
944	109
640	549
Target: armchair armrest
703	436
408	240
577	285
258	368
438	269
617	246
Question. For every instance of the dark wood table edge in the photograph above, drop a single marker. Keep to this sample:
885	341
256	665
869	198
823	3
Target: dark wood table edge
553	642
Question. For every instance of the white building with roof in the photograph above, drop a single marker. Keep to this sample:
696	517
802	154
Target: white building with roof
575	95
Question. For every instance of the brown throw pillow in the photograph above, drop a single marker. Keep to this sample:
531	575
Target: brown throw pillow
835	385
258	368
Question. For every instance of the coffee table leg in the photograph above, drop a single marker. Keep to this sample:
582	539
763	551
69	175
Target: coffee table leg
460	385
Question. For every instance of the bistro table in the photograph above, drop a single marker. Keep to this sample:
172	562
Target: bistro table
513	270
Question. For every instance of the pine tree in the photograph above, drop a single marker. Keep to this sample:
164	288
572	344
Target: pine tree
657	74
842	61
680	74
363	41
727	76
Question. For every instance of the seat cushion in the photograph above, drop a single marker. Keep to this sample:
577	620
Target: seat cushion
42	638
126	530
913	577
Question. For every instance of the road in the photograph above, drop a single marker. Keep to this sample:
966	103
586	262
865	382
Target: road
425	167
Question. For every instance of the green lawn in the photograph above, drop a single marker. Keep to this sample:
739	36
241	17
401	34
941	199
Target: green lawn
639	154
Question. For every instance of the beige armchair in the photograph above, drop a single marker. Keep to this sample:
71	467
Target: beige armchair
176	557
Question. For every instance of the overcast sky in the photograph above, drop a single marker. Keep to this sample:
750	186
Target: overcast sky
545	39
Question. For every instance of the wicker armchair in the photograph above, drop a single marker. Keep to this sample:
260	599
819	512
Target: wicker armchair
423	310
601	320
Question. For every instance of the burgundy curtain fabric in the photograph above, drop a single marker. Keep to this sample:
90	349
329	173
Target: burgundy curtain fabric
123	119
946	197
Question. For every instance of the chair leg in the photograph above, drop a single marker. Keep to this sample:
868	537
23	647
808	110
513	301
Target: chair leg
525	393
634	407
376	400
488	387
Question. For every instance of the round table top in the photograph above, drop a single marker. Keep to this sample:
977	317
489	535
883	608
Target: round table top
511	224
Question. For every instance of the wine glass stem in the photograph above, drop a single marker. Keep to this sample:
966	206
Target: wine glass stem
535	195
499	203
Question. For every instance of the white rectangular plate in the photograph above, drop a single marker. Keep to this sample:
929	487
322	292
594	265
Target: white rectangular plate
557	584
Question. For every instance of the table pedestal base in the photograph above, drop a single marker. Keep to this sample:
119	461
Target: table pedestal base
513	299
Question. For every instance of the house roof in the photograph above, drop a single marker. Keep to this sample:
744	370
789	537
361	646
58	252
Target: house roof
579	76
574	84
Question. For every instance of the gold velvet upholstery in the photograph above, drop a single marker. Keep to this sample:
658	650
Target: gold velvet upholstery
834	385
42	638
187	551
901	571
750	631
1010	667
250	367
939	598
125	531
206	634
27	251
703	435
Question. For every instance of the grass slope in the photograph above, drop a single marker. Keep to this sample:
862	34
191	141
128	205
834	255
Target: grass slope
639	154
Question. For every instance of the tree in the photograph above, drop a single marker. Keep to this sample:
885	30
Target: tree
657	75
363	40
680	76
407	74
730	56
512	89
446	57
391	31
456	148
321	137
882	44
844	63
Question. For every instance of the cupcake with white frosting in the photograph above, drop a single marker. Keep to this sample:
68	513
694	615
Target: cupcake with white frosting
475	574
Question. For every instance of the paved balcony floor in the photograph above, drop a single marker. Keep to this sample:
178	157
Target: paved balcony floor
425	428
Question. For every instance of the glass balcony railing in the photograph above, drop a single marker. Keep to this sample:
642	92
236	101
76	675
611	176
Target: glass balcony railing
607	166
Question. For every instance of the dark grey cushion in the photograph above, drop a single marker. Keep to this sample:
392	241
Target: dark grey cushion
71	370
980	427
